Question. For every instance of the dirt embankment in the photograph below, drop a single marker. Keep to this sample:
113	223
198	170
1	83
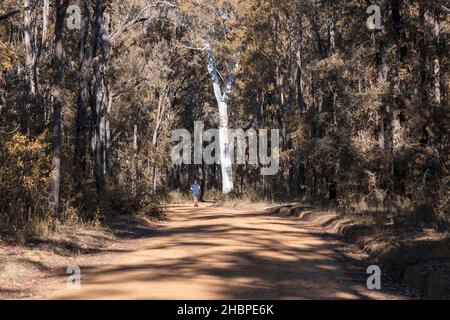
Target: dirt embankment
416	256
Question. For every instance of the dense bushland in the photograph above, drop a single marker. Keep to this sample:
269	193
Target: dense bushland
86	114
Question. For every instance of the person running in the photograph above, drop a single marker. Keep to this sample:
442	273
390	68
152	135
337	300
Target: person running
195	189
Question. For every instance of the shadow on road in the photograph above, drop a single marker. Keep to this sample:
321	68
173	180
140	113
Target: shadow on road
209	253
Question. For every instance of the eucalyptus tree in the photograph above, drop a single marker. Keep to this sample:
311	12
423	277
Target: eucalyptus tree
217	28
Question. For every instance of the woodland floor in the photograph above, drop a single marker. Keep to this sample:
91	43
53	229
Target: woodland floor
199	253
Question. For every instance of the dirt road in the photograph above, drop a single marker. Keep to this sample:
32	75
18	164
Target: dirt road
216	253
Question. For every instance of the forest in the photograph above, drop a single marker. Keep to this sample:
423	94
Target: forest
92	91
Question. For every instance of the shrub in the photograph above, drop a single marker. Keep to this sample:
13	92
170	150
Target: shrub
24	176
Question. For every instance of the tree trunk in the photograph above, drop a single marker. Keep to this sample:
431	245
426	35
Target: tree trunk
315	27
381	54
159	117
57	111
423	55
299	73
331	37
225	155
204	182
437	59
382	67
45	18
390	105
30	63
85	79
134	161
225	159
101	105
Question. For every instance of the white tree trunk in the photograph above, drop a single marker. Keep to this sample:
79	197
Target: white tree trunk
159	118
437	65
225	156
29	47
225	153
45	19
134	164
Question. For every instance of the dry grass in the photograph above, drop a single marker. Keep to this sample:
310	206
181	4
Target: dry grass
246	204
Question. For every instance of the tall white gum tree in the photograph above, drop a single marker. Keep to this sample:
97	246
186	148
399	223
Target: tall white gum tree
213	26
222	102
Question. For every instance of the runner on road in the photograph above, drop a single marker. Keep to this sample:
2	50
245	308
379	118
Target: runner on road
196	189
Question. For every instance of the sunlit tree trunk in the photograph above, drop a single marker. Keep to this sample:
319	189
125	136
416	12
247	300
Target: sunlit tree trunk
331	36
45	19
30	61
29	46
222	99
134	161
437	63
159	117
